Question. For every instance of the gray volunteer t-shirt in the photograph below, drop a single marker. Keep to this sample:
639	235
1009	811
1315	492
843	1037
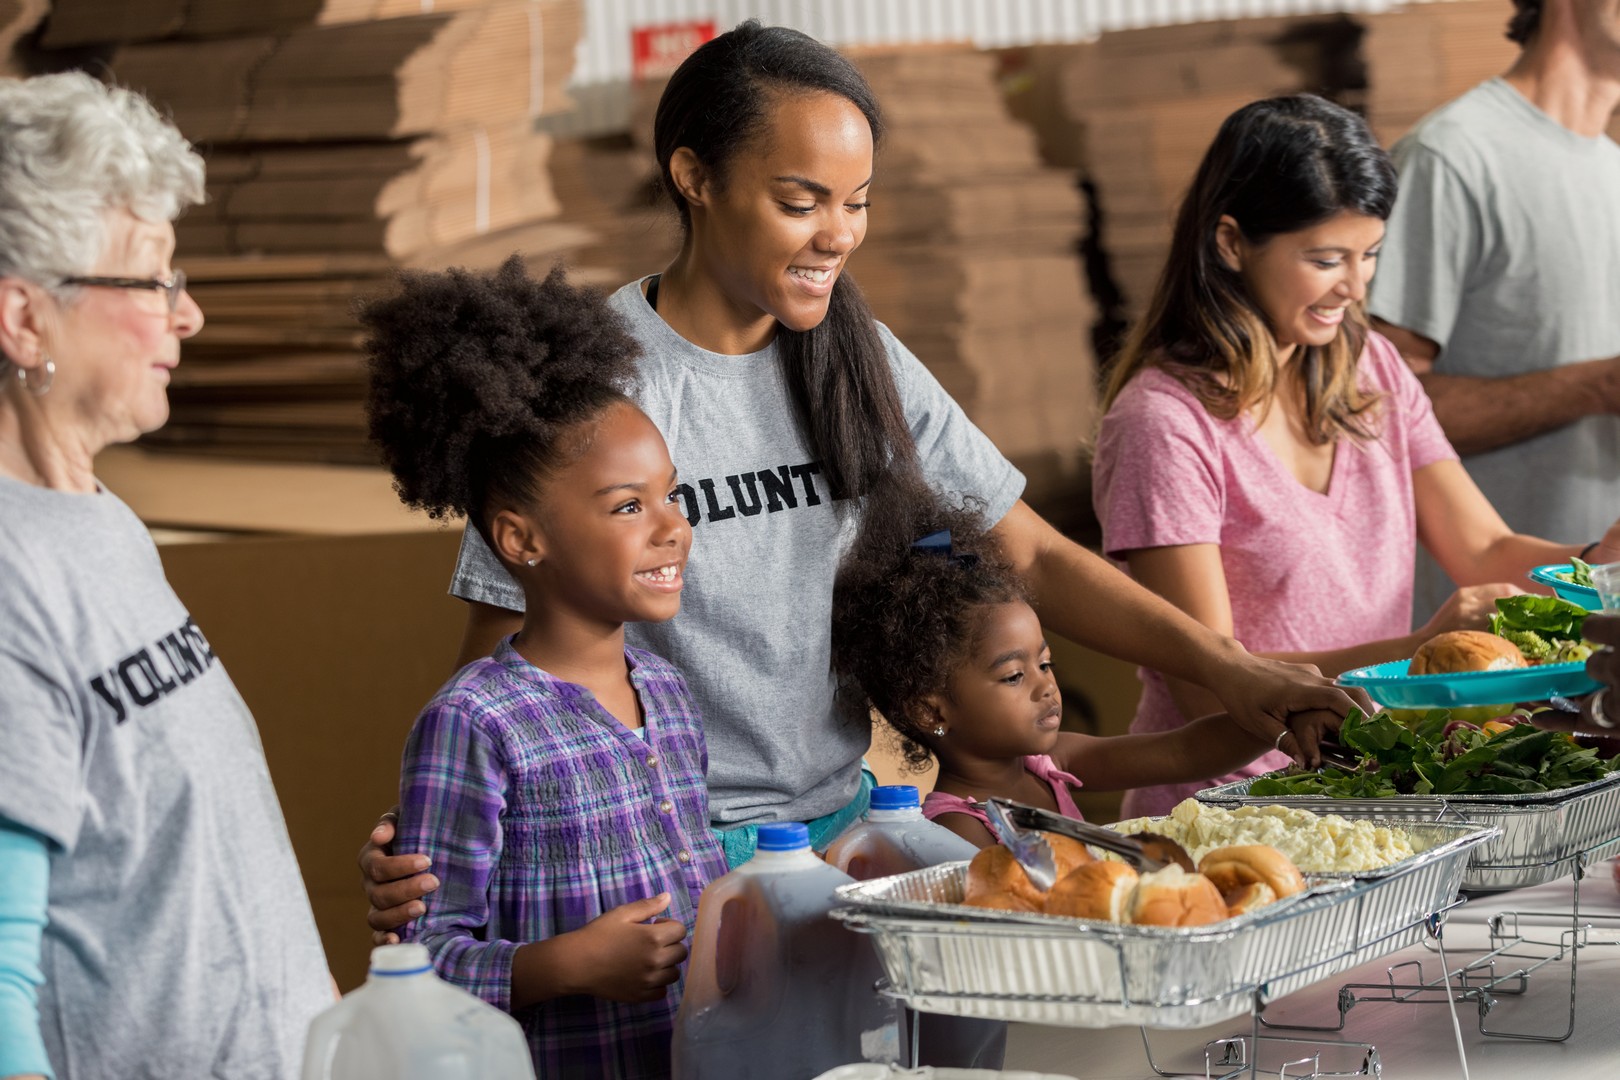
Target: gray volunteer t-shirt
754	633
180	940
1504	248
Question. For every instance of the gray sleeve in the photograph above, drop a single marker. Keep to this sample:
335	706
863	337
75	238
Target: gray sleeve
1435	235
480	576
41	767
957	458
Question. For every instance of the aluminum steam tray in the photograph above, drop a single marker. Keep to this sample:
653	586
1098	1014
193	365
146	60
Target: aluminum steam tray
1541	833
942	956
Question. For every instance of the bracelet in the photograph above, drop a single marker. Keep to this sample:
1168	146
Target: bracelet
1596	710
1587	550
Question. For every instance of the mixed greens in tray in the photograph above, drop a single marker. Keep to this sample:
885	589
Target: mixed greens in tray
1439	755
1547	630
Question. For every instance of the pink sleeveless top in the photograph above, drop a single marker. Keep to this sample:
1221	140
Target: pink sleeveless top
939	803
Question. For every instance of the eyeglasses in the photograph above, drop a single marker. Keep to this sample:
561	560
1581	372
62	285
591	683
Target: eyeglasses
171	288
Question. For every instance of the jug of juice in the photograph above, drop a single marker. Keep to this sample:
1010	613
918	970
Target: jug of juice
405	1024
895	838
775	989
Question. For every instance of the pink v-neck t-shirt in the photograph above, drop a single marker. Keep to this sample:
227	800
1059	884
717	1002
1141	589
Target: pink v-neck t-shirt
1305	570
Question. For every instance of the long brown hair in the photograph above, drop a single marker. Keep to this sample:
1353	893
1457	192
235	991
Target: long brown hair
1276	166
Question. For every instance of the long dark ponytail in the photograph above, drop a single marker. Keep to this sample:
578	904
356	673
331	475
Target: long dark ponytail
838	372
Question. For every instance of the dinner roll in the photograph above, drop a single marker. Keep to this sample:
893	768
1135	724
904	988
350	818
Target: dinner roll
1233	869
1246	898
1173	897
995	880
1097	890
1465	650
1069	854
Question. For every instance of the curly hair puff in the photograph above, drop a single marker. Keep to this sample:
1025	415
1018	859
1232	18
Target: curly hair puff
478	382
902	619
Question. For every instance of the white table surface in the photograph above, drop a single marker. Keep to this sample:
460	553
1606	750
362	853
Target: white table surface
1415	1042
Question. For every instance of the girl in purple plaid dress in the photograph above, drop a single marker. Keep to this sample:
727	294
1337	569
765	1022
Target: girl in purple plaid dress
557	785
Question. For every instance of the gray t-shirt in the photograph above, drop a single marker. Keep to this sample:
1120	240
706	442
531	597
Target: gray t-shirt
754	633
1504	249
180	939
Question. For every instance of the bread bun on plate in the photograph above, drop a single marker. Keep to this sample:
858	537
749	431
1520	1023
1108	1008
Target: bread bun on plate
1173	897
1097	890
1068	853
995	880
1246	898
1236	870
1465	650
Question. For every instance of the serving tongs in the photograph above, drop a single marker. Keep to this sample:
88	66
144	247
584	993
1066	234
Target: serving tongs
1336	753
1019	827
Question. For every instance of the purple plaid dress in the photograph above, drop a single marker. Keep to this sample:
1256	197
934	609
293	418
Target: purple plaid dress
540	812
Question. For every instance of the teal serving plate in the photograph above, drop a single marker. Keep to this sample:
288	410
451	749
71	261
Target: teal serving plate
1584	595
1390	685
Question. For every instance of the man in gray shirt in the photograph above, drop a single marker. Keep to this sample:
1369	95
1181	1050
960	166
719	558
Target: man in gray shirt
1500	276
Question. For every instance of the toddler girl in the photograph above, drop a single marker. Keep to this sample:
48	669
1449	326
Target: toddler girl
557	785
934	630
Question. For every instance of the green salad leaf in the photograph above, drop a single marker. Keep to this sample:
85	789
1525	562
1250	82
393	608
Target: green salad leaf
1550	616
1580	573
1441	756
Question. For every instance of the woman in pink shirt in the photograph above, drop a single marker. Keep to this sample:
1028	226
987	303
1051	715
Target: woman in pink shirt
1266	460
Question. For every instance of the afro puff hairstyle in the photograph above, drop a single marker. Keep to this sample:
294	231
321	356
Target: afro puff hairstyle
478	380
903	618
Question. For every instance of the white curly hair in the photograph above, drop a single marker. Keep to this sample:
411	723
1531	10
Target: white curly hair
72	148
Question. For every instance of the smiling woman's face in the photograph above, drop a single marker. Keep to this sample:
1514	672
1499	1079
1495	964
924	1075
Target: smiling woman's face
114	348
1305	281
776	233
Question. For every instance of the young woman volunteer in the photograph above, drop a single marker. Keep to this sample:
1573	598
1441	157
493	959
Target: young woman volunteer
1266	461
784	403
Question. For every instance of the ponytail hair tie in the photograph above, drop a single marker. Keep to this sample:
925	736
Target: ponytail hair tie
939	543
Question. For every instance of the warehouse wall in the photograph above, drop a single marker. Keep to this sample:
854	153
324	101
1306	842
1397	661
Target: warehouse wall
604	60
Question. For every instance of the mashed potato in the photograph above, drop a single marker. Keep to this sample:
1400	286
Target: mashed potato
1317	843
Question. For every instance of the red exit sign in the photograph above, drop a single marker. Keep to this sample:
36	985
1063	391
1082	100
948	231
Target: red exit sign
656	51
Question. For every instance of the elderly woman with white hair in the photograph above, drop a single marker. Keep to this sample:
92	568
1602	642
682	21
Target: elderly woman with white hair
135	938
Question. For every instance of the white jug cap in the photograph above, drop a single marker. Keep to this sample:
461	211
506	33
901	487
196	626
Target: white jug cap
409	959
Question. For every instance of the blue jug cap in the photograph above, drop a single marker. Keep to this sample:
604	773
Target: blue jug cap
784	836
895	797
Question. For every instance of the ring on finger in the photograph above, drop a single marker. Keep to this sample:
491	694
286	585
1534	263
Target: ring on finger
1281	735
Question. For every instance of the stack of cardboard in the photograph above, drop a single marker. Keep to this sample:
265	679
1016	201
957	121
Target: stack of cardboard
401	198
609	186
344	138
1142	106
83	22
1421	56
971	259
277	370
1424	55
491	66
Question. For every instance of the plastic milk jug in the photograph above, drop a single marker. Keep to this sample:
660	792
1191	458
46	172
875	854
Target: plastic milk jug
895	838
405	1024
775	989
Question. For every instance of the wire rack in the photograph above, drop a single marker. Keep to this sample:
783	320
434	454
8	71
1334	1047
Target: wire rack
1520	944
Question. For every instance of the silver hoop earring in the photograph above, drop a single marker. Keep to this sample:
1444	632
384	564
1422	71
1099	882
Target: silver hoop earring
43	387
